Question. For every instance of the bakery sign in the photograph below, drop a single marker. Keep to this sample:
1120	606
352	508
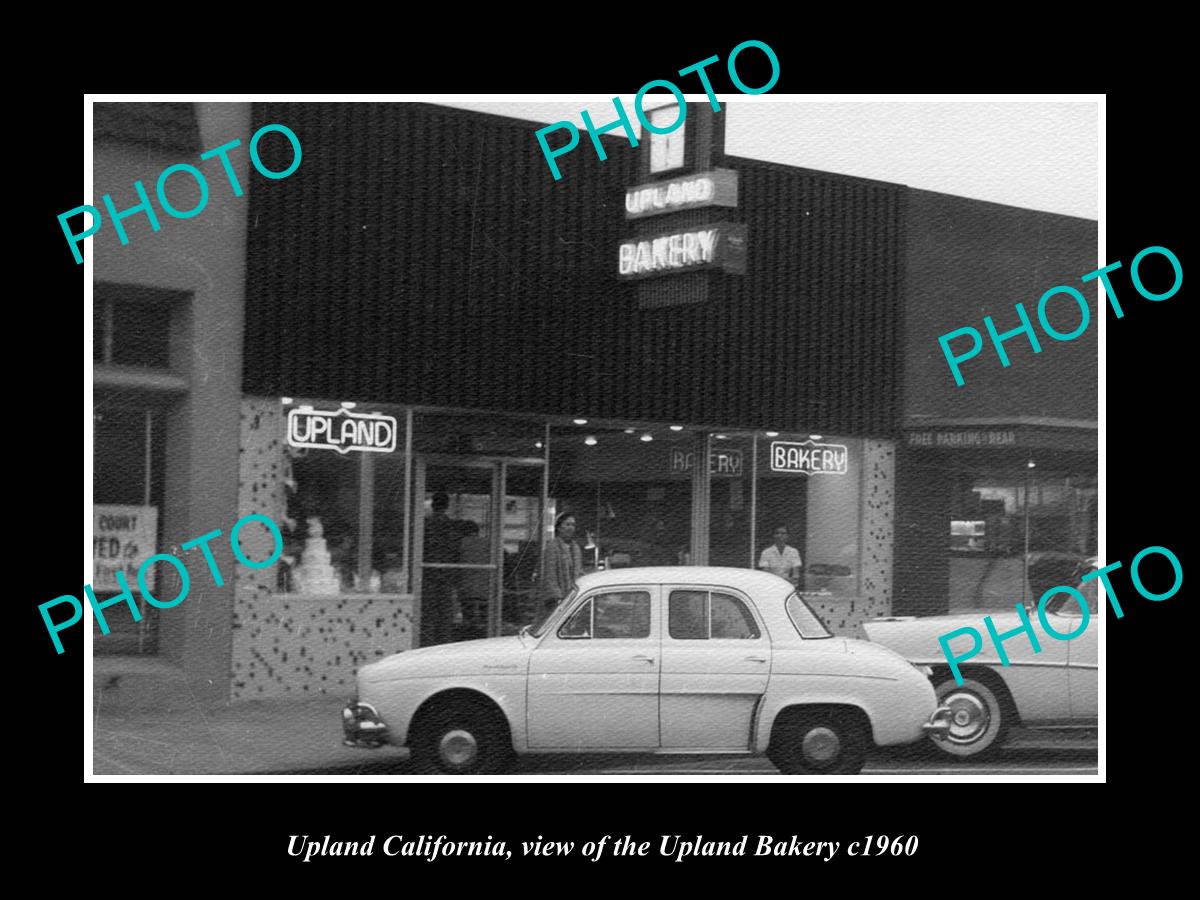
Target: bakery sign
719	245
341	430
809	458
718	187
720	462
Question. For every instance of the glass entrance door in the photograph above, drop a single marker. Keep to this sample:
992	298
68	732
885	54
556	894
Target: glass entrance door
476	546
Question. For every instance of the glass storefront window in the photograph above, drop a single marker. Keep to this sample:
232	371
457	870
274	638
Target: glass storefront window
632	497
1016	530
344	523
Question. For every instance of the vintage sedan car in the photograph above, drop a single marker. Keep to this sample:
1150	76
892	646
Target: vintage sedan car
651	660
1055	688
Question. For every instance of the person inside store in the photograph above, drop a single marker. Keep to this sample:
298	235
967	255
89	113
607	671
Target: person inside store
442	536
474	584
562	563
780	558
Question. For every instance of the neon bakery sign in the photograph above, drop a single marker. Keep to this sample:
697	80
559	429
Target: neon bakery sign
808	458
719	245
341	430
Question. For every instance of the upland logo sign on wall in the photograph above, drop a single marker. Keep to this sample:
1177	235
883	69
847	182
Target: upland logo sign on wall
341	430
809	458
718	187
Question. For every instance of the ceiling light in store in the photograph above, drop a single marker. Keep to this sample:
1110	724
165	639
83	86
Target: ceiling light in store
285	400
305	407
721	437
677	428
647	437
349	404
630	430
538	444
772	434
814	437
590	440
1032	464
579	421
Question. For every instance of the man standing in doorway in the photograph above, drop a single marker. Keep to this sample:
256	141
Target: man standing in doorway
781	559
437	585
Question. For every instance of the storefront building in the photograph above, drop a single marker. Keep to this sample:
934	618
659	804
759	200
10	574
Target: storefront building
419	350
448	350
997	488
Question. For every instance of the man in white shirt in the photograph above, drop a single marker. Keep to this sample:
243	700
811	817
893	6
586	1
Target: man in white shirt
780	559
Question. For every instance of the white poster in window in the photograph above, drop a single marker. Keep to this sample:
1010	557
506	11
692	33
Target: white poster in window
123	537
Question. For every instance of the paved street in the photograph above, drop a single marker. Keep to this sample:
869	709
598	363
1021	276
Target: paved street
1029	754
179	737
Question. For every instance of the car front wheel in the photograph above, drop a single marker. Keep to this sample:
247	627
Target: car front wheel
820	743
460	740
977	720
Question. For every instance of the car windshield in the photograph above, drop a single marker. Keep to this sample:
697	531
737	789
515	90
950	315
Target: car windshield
805	620
540	628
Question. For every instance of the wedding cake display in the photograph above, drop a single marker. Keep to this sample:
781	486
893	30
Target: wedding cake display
315	574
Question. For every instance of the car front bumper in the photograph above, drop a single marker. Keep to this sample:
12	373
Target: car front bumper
938	725
362	726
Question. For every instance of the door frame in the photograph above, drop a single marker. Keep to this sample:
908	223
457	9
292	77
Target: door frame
498	465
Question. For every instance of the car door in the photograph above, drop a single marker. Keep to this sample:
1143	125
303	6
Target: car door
593	682
716	660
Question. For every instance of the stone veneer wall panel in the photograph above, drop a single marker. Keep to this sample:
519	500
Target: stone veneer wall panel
293	644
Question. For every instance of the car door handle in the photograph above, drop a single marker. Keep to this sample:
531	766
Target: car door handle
643	658
761	659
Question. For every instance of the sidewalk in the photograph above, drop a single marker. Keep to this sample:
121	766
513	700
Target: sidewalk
248	737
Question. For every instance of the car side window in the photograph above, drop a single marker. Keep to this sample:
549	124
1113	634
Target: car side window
700	615
687	615
731	619
624	614
580	623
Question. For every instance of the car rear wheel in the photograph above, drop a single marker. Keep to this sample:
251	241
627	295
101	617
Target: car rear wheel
460	740
820	743
977	719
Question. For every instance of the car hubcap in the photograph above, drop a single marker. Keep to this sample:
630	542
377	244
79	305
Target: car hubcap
969	718
458	748
821	744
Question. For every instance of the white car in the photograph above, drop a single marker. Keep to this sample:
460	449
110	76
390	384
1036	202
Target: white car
1056	687
651	660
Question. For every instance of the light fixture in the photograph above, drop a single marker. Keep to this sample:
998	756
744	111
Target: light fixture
647	436
677	428
721	437
1031	464
579	421
772	434
590	440
305	407
814	437
630	430
349	404
285	400
537	444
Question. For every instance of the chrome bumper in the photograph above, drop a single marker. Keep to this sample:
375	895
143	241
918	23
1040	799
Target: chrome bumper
938	725
362	726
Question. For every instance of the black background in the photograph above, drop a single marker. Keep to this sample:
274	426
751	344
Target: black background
234	836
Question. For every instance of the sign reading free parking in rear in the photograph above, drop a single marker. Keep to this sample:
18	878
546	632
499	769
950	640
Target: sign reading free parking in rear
809	458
